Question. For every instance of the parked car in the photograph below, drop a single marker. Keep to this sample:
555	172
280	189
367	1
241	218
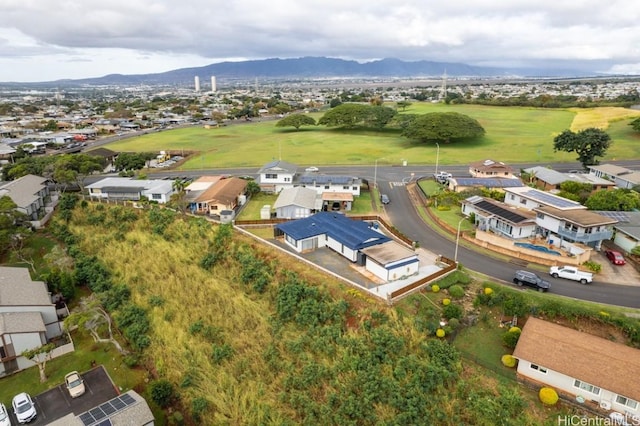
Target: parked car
384	199
615	257
442	177
74	383
312	169
532	280
571	273
24	408
4	416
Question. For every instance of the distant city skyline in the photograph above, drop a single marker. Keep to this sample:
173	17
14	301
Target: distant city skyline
45	41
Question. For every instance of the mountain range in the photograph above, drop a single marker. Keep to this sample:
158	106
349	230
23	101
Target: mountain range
323	68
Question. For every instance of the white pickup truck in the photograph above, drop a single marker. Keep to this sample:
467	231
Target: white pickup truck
571	273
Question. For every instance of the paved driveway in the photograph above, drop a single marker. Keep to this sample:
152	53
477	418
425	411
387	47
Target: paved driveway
56	402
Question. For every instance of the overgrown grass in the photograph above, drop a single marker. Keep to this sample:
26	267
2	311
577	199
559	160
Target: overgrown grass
518	134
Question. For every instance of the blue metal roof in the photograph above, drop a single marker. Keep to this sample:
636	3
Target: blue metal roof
351	233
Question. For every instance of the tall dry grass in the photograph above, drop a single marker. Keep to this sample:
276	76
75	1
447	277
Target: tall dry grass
600	117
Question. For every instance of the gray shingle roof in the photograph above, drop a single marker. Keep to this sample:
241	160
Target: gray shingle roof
17	288
21	322
23	190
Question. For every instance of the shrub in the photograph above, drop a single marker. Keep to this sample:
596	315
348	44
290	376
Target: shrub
454	323
440	332
515	329
508	361
456	291
177	418
452	311
592	266
548	396
162	392
435	288
488	291
446	302
510	338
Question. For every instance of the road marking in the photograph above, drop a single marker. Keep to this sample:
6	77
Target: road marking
397	183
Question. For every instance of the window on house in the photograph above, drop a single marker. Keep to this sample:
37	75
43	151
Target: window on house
513	197
627	402
156	196
271	176
523	201
326	187
345	187
586	387
538	368
355	188
288	179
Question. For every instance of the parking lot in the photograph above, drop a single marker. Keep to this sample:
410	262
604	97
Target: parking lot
56	402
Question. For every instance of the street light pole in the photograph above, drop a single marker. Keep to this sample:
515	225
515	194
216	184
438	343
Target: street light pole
455	255
375	172
437	156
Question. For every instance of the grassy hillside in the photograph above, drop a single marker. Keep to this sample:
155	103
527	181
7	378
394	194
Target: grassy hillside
254	338
518	134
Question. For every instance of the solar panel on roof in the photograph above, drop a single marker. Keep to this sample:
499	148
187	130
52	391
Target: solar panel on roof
619	216
323	179
98	416
506	214
549	199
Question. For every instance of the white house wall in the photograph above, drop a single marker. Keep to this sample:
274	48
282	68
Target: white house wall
565	383
518	201
376	269
25	341
48	313
625	242
352	255
292	212
550	223
397	272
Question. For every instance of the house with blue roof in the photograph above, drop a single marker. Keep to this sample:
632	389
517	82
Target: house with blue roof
351	239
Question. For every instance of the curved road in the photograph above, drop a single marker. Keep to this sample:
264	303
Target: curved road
392	179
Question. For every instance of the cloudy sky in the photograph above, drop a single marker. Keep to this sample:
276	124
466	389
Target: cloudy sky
44	40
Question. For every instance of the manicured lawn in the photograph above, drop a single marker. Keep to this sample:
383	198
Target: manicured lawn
514	134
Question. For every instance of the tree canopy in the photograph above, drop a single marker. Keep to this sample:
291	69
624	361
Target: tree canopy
588	144
132	160
635	124
443	127
346	115
296	121
614	200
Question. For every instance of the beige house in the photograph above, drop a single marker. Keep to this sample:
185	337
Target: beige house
491	169
223	195
588	369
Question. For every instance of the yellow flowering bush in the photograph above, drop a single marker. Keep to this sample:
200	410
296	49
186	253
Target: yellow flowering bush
488	291
446	302
548	396
508	360
435	288
440	332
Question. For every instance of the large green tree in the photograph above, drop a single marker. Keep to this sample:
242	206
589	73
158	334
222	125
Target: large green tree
131	160
296	121
379	116
588	144
614	200
442	127
345	115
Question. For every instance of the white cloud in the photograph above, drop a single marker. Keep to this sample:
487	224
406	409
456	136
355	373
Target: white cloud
143	36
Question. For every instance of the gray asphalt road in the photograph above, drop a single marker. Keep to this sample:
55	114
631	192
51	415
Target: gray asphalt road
403	215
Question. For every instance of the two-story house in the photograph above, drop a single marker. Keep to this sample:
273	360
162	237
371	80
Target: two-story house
32	196
119	188
561	221
276	175
28	318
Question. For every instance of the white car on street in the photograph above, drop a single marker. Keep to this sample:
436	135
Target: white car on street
312	169
4	416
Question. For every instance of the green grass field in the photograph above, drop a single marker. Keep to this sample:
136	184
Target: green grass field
513	135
